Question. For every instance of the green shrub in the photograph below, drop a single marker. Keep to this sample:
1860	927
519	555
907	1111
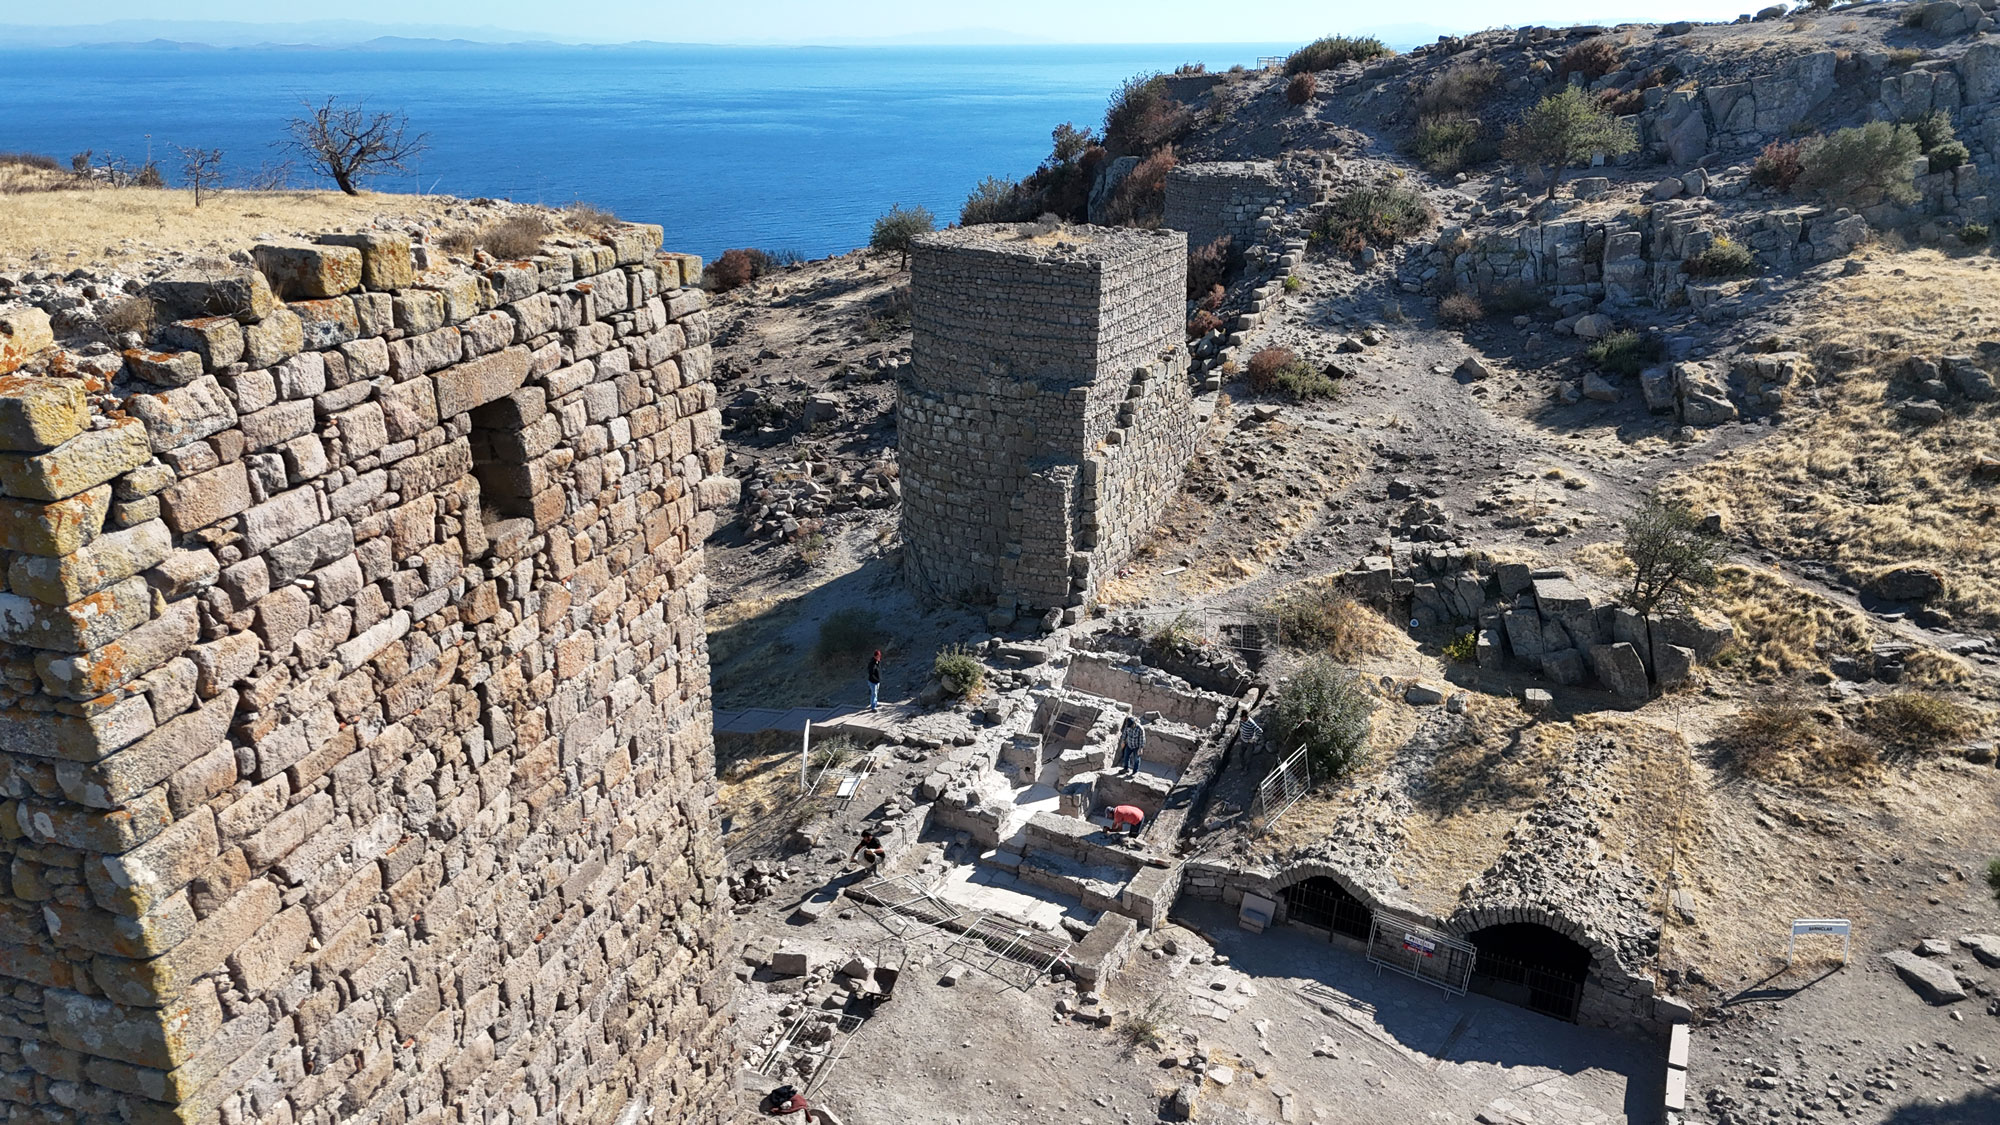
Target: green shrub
1993	877
1176	638
1723	258
897	230
1282	370
1862	165
1462	649
1627	353
1444	142
849	632
1779	165
1974	234
1375	216
1948	156
995	200
1566	128
1460	89
1673	556
1324	709
1294	283
956	666
1143	116
1332	51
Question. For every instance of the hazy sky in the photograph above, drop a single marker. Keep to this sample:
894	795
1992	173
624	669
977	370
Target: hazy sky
748	21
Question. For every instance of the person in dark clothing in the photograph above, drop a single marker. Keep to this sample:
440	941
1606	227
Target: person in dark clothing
869	849
786	1100
874	679
1131	745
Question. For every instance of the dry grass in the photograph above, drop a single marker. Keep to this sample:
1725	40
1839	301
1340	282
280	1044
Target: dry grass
19	176
1314	616
1850	483
758	792
102	227
1782	630
1784	739
1661	800
1911	722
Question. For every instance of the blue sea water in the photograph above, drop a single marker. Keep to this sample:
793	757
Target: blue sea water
779	148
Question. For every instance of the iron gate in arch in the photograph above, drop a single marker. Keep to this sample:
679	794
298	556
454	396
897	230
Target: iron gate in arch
1324	904
1531	986
1423	953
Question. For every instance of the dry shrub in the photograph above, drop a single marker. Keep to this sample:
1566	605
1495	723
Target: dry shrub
1202	323
1593	59
1911	722
1209	266
1212	300
1461	308
514	237
1301	89
1623	103
130	314
1141	198
736	268
1372	216
1317	617
1781	739
1780	165
1265	365
588	218
31	160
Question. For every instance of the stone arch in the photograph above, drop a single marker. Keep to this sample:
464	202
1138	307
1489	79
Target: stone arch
1535	957
1603	957
1276	885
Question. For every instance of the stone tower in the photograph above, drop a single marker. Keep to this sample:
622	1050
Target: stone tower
1045	417
355	752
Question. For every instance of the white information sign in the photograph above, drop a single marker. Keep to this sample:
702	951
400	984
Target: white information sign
1831	927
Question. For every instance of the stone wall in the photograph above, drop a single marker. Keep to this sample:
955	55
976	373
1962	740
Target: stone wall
355	750
1233	198
1045	416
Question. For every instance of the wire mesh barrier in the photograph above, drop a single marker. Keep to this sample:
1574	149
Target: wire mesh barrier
1534	987
1282	788
903	905
1252	635
1422	953
809	1047
1324	904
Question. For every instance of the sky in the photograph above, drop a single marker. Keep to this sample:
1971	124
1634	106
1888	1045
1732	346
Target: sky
795	21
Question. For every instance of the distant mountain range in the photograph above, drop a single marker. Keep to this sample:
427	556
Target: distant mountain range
199	35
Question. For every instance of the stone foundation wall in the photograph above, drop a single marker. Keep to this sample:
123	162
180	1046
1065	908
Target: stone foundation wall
355	749
1045	416
1234	199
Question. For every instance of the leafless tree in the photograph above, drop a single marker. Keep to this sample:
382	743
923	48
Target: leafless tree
202	170
346	142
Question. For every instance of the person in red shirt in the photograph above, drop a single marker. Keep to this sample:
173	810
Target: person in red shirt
1125	815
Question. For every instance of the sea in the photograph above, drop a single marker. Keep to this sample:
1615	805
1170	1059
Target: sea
793	150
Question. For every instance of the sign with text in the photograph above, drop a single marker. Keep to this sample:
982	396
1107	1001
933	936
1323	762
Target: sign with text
1830	927
1415	944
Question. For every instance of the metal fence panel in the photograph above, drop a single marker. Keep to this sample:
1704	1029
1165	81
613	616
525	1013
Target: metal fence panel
1427	955
1283	787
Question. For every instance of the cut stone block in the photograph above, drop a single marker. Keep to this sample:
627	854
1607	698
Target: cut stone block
385	257
54	529
23	333
309	272
38	414
84	461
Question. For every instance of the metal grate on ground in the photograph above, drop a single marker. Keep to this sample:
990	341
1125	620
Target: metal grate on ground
785	1055
904	906
1013	953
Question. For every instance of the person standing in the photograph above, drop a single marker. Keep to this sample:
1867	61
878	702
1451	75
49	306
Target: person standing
875	680
1131	745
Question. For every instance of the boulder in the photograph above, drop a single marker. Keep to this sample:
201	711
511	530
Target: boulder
1422	695
1673	666
789	963
1930	980
1472	367
1599	389
1593	326
1564	667
1700	397
1985	947
1922	413
1618	667
1535	700
1969	378
1908	583
1657	384
1666	189
1702	633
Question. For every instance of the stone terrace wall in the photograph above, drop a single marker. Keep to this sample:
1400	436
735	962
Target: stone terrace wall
1045	416
355	749
1220	198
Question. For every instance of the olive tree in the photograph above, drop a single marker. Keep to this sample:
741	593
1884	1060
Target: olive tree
1324	709
1567	128
1673	555
897	230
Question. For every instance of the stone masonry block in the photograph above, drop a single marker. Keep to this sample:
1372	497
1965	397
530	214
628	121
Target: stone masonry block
38	414
54	529
84	461
309	272
385	257
23	334
110	558
468	385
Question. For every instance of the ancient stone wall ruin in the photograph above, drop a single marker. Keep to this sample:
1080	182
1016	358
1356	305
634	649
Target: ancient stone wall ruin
355	750
1045	416
1235	198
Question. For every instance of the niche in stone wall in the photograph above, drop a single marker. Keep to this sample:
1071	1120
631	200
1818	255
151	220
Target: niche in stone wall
516	459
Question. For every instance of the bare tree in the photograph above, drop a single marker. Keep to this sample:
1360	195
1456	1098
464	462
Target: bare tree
345	143
202	170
